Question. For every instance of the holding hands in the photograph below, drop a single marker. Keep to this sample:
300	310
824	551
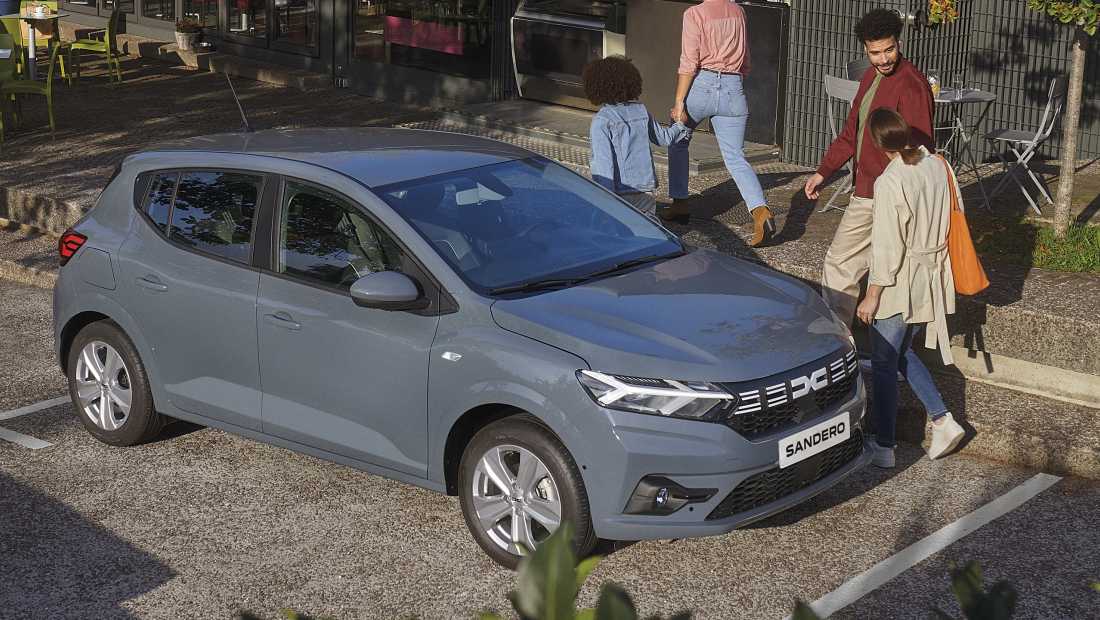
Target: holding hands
677	114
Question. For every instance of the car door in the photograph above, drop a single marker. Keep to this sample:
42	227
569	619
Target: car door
336	376
188	282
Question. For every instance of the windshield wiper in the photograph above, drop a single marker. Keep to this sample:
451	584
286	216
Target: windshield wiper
536	285
634	262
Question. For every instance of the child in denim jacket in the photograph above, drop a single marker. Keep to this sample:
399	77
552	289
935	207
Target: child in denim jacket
621	133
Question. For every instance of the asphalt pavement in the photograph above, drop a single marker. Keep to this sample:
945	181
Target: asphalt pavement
203	524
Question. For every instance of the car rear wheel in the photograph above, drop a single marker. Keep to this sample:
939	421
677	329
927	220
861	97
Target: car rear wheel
109	388
518	485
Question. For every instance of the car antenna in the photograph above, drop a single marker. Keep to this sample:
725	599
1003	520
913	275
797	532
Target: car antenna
245	127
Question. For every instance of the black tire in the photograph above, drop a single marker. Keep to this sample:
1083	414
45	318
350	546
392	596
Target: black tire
142	423
527	432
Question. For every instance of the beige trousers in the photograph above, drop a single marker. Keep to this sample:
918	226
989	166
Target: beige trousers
848	259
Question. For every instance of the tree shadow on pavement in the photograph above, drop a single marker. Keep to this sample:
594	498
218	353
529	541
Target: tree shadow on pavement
57	563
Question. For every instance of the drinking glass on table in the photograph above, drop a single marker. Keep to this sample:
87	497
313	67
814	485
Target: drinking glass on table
957	83
934	82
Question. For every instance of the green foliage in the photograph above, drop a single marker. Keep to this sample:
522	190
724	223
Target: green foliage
1085	14
976	603
1096	586
802	611
1022	241
942	11
288	614
550	578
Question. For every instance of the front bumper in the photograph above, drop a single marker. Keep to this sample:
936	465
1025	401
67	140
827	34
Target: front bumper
700	455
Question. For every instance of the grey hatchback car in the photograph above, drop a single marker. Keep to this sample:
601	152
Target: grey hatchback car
459	314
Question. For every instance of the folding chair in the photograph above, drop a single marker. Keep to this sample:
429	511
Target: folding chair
844	90
858	67
1024	145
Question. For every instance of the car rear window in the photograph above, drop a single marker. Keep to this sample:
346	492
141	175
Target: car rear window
211	211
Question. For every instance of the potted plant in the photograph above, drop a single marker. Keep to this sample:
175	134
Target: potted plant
941	12
187	32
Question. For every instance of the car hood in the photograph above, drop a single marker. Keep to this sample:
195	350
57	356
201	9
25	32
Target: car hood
702	316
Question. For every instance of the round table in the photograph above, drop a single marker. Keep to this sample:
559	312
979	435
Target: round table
32	21
960	143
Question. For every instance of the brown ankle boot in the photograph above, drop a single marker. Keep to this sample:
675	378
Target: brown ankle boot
763	228
678	212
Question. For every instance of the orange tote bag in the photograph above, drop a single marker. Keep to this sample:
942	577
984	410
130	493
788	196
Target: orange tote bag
967	270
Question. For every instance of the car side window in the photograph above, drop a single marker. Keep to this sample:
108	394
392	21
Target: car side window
323	238
213	212
159	205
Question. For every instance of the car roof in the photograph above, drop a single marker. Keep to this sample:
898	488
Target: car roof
374	156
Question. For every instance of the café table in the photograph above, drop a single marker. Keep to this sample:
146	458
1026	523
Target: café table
963	138
32	23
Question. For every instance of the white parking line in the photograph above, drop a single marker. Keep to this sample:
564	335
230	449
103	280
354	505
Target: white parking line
24	440
46	404
874	577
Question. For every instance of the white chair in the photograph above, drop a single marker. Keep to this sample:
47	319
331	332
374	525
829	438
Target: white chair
1024	145
845	91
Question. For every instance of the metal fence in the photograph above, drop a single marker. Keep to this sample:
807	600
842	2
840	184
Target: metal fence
998	45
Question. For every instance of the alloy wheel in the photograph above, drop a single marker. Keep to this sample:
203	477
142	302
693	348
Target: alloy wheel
103	386
516	498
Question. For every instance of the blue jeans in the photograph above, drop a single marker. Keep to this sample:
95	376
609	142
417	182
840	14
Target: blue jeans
720	98
892	352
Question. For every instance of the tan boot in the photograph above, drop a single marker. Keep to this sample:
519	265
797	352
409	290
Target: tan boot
763	228
678	212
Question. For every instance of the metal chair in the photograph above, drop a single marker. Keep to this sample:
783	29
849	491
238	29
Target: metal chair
843	90
1024	145
7	73
858	67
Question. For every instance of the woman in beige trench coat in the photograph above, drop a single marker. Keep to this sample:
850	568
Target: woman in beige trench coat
910	285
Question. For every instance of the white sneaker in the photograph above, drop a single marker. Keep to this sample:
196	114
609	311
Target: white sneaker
945	436
882	457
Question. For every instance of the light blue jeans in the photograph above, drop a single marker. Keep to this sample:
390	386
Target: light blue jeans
891	353
721	98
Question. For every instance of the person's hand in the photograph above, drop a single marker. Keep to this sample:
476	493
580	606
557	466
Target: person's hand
867	309
677	113
812	185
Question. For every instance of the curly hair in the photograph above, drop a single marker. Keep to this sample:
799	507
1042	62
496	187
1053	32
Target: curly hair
879	24
612	80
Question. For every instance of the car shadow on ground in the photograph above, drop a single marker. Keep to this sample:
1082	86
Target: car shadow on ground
90	572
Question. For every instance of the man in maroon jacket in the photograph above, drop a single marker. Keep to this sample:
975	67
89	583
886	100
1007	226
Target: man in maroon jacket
891	82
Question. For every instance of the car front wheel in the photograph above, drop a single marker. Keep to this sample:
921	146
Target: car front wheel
518	485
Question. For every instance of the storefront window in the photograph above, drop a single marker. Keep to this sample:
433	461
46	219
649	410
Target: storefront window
248	18
124	6
159	9
88	3
296	22
203	11
450	37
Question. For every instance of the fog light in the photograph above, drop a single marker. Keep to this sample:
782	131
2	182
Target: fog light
662	496
657	495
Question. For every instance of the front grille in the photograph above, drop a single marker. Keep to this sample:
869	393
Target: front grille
787	400
775	484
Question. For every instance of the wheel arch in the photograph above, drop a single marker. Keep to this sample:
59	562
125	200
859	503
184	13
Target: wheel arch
469	424
73	327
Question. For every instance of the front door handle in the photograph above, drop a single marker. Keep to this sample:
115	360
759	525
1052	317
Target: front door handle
283	320
152	283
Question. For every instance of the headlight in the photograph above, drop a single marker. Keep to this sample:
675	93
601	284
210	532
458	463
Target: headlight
682	399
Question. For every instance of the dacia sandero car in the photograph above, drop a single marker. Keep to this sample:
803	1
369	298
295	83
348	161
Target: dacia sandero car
459	314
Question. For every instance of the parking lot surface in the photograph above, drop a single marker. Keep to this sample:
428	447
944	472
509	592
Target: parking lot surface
203	524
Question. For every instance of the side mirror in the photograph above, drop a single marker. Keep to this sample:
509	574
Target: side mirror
387	290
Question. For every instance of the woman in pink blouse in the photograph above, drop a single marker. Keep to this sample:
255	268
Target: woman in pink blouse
714	60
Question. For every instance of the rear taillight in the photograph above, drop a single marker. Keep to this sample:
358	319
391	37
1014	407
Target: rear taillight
68	245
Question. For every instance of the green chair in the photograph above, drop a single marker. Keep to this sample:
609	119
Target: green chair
47	42
7	74
11	26
32	87
108	46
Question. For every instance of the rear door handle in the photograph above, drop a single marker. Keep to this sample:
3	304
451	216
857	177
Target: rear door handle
283	320
152	283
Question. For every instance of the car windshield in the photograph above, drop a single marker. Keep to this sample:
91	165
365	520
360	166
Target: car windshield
526	222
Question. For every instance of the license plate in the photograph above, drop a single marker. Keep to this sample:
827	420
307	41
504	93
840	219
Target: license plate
813	440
